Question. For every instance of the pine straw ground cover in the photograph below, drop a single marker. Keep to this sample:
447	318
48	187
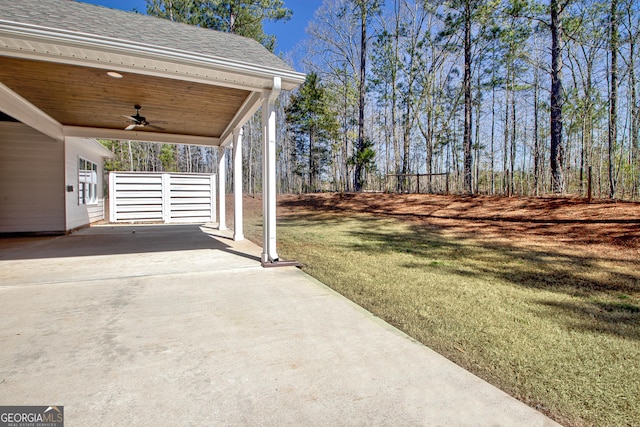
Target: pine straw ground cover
540	297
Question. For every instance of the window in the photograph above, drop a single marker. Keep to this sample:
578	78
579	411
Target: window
87	182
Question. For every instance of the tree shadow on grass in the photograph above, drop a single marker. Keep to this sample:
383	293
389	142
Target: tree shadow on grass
551	270
580	275
619	319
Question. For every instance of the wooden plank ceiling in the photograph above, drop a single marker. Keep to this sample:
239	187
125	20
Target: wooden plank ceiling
88	97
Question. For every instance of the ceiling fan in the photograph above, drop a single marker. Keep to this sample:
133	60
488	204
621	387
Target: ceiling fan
139	121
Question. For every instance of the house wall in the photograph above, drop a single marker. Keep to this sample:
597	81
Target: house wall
79	215
32	181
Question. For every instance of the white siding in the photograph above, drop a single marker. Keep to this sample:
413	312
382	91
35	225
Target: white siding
32	181
81	215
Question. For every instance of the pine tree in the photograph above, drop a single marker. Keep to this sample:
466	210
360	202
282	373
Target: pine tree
364	10
613	96
242	17
314	128
463	15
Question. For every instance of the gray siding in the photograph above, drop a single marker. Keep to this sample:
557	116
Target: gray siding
32	180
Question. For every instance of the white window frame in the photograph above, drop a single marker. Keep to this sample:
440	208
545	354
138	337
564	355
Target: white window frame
87	182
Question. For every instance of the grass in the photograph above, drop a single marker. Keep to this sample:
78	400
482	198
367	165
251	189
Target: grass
557	329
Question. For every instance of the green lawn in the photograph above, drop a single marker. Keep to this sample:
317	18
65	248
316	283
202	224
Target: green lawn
559	330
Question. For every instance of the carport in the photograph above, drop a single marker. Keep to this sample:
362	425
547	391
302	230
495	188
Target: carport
73	70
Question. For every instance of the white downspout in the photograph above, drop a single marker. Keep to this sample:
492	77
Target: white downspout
269	253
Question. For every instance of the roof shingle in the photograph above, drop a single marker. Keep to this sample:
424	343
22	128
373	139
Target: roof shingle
69	15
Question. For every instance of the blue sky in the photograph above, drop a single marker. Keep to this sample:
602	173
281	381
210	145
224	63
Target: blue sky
288	33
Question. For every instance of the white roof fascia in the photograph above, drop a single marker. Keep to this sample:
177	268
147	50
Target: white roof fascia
133	135
20	109
95	146
36	42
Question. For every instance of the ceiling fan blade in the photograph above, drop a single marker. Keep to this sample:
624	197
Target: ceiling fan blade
131	126
133	119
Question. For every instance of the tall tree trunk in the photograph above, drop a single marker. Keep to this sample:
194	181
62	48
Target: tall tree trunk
536	141
557	148
406	147
613	97
396	147
427	134
394	92
429	140
358	179
468	161
189	159
311	165
476	146
635	114
131	168
505	150
345	141
493	123
387	142
512	148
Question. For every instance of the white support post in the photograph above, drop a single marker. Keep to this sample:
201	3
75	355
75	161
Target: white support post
238	233
269	253
212	196
222	178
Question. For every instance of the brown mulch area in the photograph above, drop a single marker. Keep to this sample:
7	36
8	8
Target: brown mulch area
603	225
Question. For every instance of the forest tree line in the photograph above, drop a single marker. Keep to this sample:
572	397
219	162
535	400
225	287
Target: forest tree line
470	96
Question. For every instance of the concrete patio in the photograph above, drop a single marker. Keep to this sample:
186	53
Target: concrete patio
180	325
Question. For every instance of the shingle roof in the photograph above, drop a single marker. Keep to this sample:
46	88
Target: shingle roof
70	15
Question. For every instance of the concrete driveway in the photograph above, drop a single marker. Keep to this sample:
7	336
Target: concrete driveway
179	325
